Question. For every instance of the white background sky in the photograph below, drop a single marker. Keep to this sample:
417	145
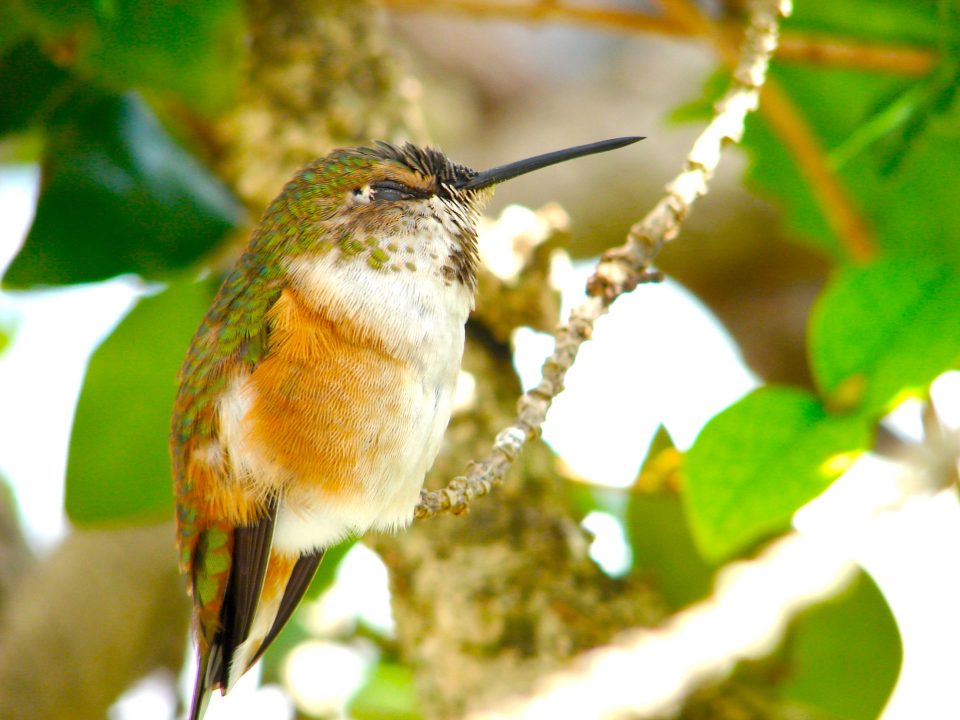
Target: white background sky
659	353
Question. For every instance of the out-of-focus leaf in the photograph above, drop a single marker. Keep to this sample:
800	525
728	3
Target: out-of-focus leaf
890	140
663	547
860	119
192	49
884	329
118	196
586	498
760	460
30	87
843	657
6	333
657	530
911	22
327	572
386	695
836	103
119	468
13	26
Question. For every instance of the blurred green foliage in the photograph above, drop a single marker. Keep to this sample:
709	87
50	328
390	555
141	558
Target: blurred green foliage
119	466
870	324
842	658
759	461
120	196
191	50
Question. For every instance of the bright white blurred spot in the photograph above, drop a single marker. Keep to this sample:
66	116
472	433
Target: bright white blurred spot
846	508
40	384
652	669
248	701
42	370
19	188
151	698
323	676
945	392
908	543
907	419
361	590
609	548
912	555
465	395
658	357
505	243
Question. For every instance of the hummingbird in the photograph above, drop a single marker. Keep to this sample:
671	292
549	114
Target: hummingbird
316	391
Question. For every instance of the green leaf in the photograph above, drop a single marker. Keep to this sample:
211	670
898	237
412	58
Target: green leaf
890	140
844	655
761	459
118	467
388	694
885	329
658	531
327	572
13	25
118	196
192	49
30	87
902	188
910	22
837	103
6	335
664	549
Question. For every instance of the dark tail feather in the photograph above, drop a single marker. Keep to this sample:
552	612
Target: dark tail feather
251	551
202	690
300	579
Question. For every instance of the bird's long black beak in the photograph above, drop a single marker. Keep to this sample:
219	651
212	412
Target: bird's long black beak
521	167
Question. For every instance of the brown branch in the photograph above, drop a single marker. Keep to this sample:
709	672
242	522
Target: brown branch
787	120
795	46
790	125
622	269
838	207
816	49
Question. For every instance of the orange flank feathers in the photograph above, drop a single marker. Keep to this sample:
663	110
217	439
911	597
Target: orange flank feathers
314	397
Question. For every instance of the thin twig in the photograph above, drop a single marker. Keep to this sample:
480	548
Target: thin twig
840	210
842	52
622	269
796	46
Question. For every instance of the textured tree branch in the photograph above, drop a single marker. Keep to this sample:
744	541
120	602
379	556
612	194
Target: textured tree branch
672	661
625	267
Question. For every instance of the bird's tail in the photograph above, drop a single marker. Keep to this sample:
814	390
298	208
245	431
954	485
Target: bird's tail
202	690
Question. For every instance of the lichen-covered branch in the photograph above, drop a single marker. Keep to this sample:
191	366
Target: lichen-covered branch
672	661
625	267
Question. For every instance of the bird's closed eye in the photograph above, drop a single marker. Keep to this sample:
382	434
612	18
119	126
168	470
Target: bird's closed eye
392	191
